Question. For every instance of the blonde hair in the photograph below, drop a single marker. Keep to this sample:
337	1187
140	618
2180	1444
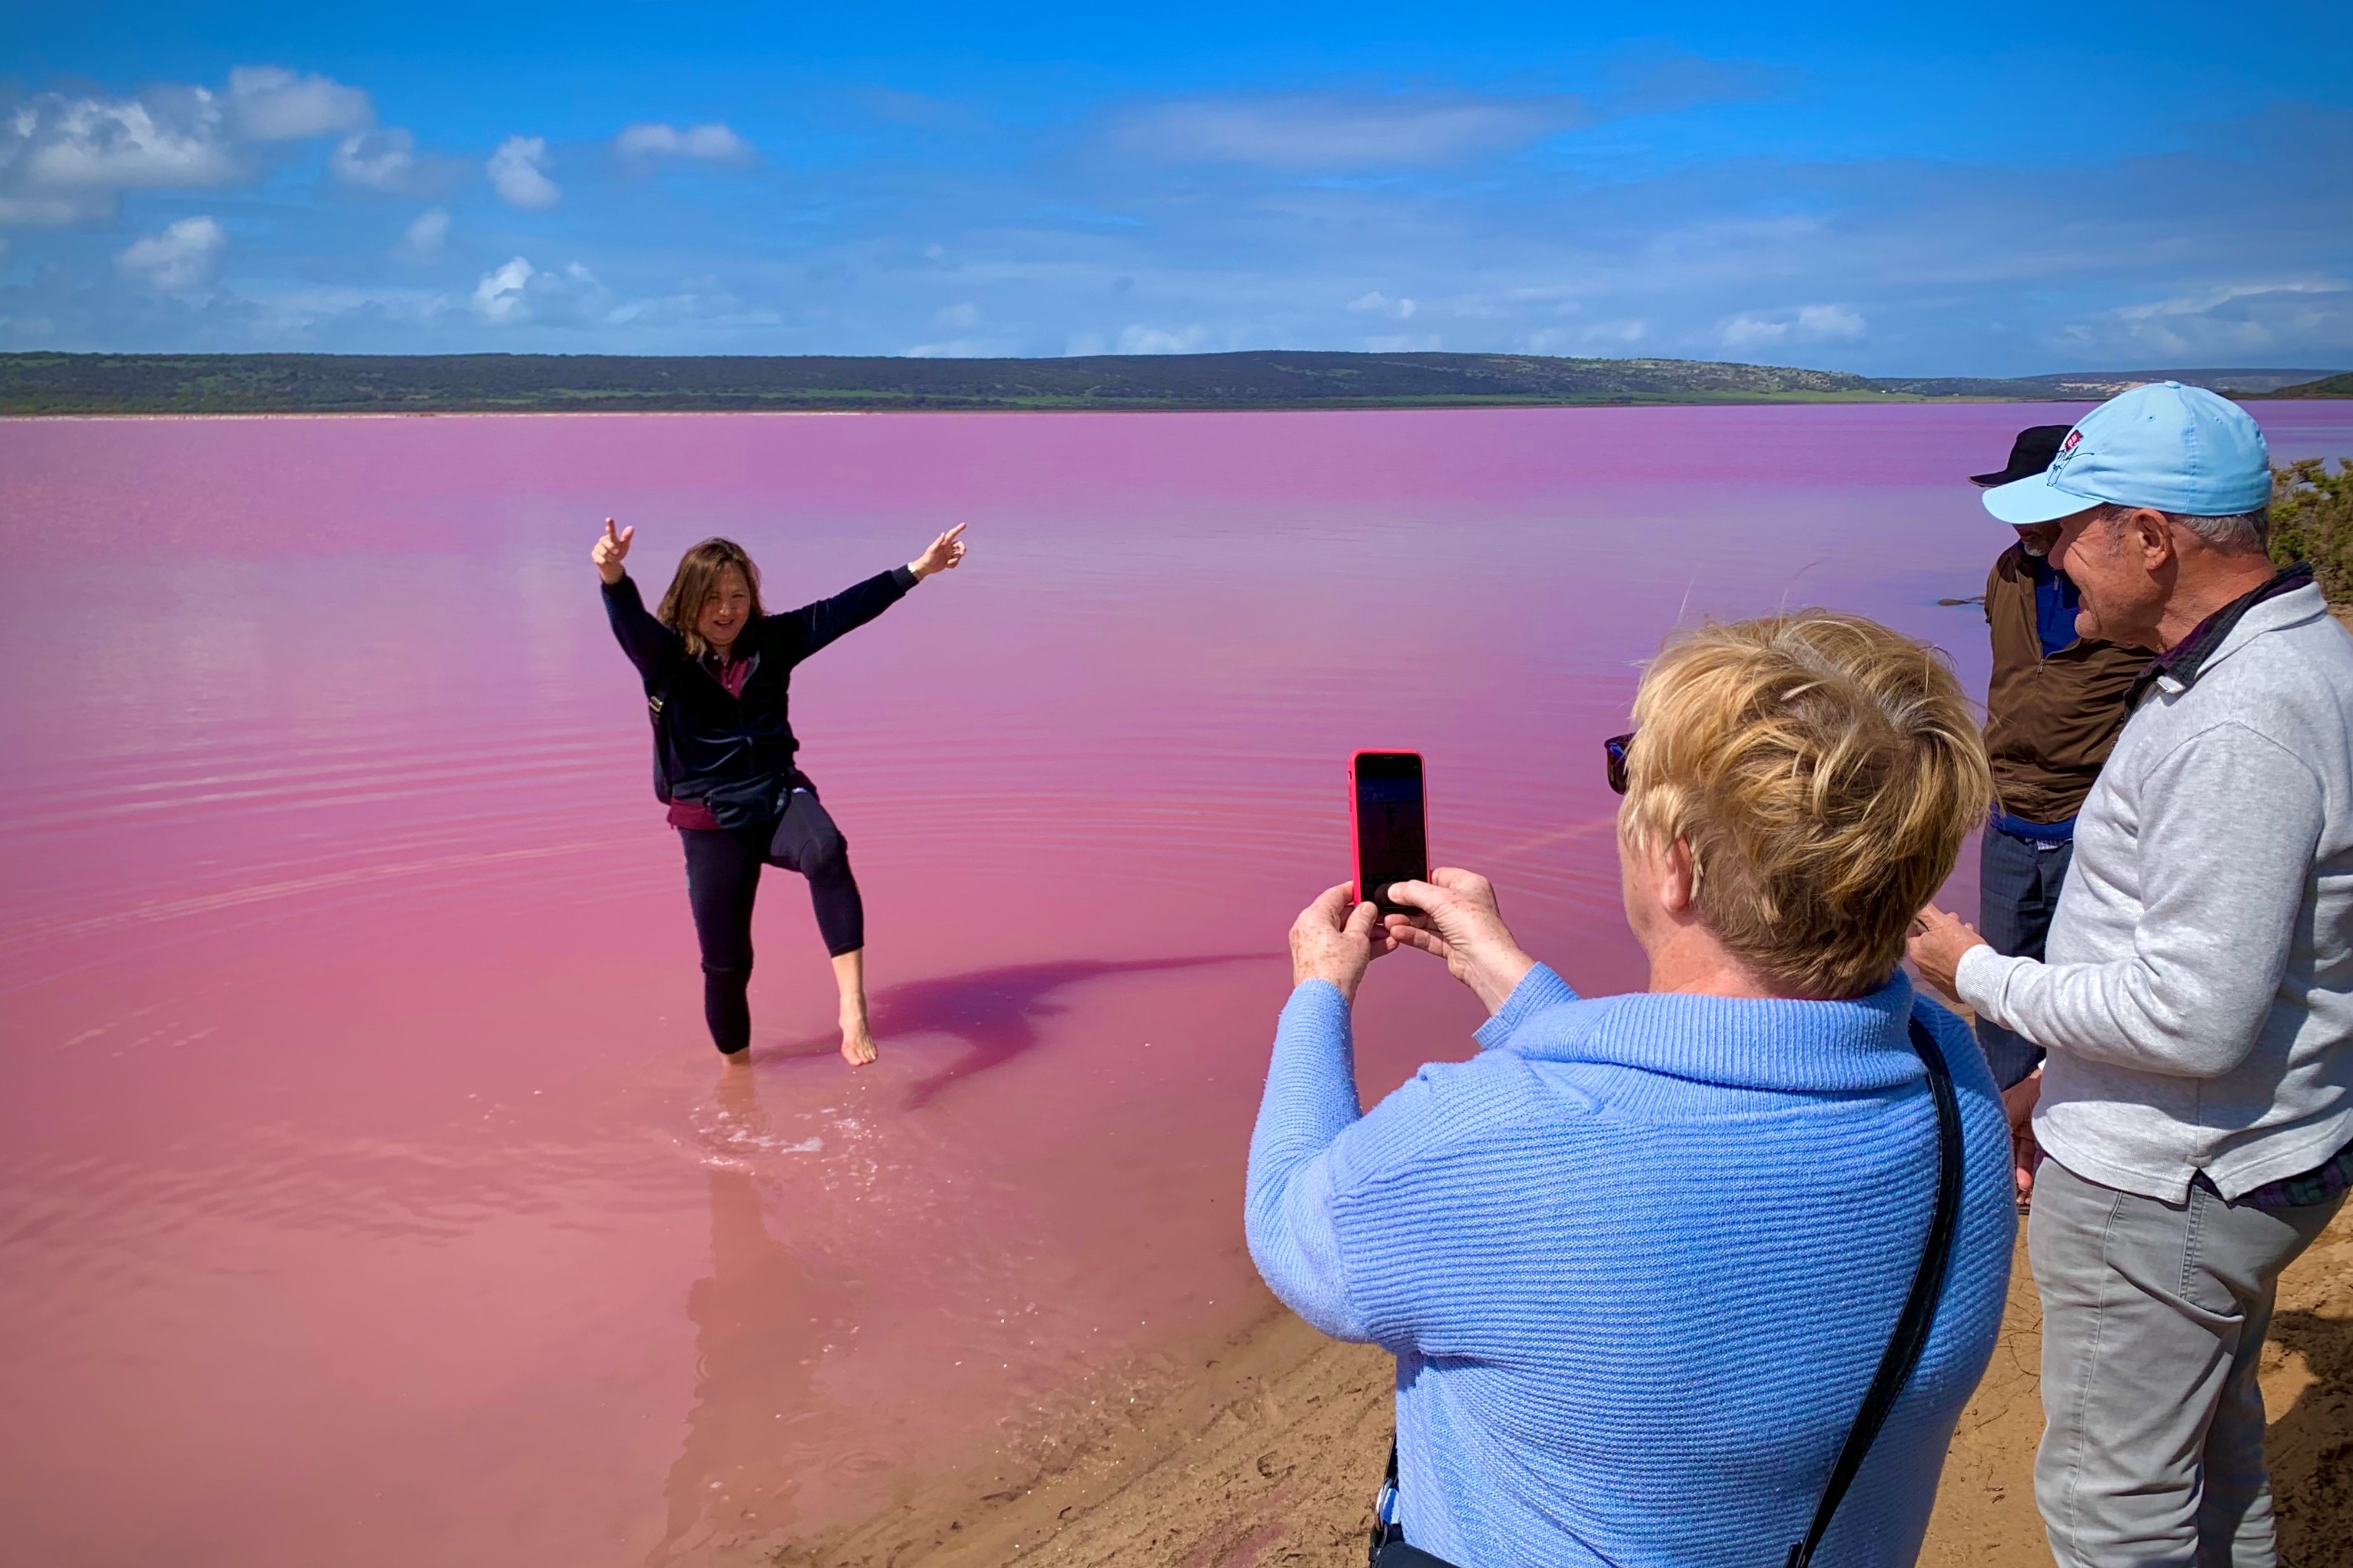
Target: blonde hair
1822	771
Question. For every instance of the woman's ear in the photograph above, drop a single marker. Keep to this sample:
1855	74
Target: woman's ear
1677	879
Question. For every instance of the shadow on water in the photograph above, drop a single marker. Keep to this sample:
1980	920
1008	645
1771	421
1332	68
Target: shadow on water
750	1394
996	1013
2311	1446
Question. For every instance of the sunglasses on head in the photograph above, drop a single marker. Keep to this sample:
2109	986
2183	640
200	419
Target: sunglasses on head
1615	749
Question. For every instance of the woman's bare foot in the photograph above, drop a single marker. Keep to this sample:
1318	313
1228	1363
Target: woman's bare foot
856	1043
849	978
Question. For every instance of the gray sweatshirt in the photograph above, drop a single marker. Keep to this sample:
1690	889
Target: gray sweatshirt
2197	999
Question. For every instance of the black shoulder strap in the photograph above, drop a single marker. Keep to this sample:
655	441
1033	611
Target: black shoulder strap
657	701
1919	1308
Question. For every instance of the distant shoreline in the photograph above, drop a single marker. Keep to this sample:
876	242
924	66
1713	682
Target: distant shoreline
8	416
52	386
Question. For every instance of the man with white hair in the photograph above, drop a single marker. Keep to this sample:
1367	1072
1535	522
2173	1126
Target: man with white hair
2196	1106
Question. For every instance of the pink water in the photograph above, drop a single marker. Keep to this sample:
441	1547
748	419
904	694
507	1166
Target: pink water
369	1193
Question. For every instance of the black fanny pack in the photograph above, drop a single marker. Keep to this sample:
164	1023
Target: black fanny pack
734	804
1390	1550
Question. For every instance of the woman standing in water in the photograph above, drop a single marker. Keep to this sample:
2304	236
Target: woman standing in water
718	673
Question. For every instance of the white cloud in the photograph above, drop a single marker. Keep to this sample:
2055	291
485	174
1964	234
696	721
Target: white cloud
1751	331
959	315
179	261
518	173
1083	346
703	303
1830	321
270	104
67	159
713	143
1378	302
2227	319
379	160
1308	131
296	313
63	160
519	292
1809	323
49	210
1140	339
957	348
499	297
424	237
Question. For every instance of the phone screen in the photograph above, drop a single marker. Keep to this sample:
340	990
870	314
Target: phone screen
1390	842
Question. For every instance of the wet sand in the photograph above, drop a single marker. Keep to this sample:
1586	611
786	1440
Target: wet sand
1264	1450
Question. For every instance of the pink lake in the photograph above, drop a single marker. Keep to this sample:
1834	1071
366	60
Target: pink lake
369	1192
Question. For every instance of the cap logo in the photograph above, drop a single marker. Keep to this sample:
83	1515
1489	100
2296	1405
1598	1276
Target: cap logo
2066	450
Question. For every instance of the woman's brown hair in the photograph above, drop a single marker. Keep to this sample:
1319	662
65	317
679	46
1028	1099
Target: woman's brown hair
699	571
1824	772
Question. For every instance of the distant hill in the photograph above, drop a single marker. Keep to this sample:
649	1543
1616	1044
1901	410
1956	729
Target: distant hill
321	383
2327	386
2092	385
261	383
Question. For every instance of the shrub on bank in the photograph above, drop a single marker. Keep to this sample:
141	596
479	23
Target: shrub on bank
2312	519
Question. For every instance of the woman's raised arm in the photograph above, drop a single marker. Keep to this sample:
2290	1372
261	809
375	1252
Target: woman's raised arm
649	644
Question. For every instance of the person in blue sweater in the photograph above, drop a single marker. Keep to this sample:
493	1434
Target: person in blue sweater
1639	1258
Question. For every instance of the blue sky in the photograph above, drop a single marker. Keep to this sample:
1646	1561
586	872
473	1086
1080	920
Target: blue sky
1995	189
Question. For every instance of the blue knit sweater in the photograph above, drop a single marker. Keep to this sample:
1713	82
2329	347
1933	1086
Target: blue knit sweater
1638	1261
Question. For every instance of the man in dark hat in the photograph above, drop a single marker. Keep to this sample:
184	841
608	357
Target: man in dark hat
2052	711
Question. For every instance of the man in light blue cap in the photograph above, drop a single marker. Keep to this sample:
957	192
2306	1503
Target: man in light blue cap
2196	1106
2054	703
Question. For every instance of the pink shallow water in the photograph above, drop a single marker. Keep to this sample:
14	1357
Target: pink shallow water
368	1192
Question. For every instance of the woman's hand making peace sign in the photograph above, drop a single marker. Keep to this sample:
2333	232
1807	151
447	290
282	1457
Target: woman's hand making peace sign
613	549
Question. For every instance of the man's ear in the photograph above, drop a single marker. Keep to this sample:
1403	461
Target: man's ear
2151	536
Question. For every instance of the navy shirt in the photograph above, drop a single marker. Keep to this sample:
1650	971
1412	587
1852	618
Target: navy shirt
2055	600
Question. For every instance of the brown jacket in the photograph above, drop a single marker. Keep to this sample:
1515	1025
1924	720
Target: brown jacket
2049	722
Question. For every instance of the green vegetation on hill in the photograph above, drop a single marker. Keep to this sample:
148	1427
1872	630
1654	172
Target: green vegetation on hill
305	383
2327	387
325	383
2312	519
2099	386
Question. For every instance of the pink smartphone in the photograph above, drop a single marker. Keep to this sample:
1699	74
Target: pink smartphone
1384	818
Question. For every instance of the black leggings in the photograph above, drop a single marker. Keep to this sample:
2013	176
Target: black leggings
722	875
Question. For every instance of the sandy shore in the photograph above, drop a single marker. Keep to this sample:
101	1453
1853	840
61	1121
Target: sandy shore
1264	1451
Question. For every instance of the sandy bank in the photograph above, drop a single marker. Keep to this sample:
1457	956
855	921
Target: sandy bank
1264	1451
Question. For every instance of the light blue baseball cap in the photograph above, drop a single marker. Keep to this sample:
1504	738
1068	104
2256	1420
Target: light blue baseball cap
2178	449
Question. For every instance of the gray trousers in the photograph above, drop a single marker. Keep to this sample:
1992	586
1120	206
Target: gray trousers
2153	1322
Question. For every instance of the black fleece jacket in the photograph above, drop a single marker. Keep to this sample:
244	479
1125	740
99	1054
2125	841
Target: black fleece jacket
735	754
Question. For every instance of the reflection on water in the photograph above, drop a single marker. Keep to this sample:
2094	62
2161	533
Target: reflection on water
751	1405
359	1145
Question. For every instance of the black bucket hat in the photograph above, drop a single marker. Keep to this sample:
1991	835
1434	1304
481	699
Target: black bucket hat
2028	455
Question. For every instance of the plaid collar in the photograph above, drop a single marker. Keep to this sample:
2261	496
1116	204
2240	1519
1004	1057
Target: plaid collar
2180	664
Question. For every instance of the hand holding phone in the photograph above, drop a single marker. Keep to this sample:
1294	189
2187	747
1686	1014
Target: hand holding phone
1455	919
1384	812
